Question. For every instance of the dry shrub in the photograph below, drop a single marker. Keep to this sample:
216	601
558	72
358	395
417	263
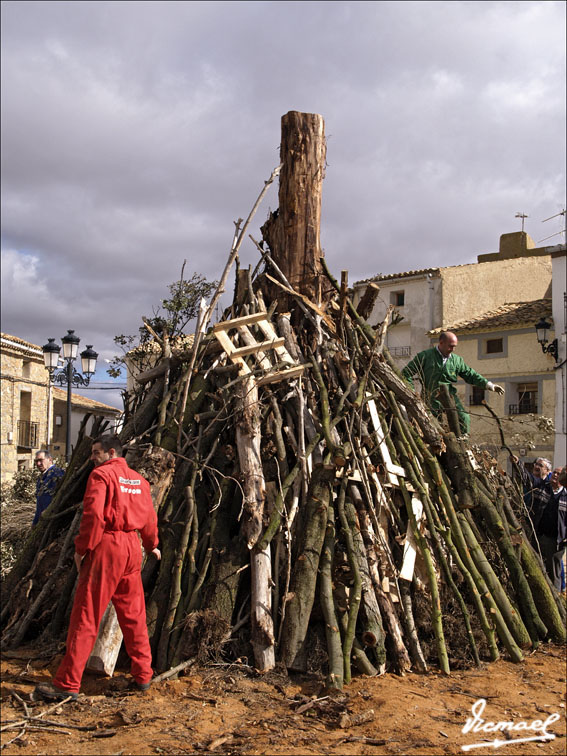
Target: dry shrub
204	635
18	508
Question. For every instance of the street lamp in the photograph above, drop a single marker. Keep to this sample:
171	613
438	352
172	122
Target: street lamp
68	376
542	327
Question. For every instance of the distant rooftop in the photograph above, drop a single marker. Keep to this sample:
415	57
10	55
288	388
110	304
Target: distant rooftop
390	276
84	402
512	246
506	317
20	346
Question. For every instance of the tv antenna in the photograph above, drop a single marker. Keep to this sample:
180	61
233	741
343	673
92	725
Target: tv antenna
563	213
523	216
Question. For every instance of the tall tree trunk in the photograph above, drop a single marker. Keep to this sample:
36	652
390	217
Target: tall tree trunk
248	438
293	231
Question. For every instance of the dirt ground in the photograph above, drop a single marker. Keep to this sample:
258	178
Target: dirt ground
234	710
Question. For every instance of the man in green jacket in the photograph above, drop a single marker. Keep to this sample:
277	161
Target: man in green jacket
438	367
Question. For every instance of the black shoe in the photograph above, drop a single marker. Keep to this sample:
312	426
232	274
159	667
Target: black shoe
143	686
51	693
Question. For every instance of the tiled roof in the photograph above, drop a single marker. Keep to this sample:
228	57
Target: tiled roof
15	344
84	402
390	276
508	316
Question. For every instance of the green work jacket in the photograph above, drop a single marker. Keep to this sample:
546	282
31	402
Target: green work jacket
429	368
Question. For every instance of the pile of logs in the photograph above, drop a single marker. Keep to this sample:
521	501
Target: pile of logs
309	505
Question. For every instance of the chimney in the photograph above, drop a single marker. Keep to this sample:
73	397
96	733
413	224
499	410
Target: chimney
515	244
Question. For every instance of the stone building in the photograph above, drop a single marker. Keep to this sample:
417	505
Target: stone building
80	406
34	413
446	298
502	346
433	297
25	398
559	305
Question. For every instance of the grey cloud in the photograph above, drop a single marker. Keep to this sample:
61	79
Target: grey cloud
134	134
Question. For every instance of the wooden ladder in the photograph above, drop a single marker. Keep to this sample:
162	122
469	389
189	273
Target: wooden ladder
256	348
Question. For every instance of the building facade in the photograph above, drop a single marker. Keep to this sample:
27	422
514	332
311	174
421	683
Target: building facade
433	299
502	345
559	305
25	400
34	413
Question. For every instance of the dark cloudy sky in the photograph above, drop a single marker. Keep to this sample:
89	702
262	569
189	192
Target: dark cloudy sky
135	133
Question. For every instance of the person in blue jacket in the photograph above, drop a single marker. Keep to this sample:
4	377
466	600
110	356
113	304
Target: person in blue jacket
47	483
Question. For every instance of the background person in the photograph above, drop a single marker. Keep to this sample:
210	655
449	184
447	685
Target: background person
531	481
47	483
547	510
551	527
117	503
439	366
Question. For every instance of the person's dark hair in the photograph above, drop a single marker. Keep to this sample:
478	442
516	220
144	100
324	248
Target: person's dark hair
443	336
110	442
45	453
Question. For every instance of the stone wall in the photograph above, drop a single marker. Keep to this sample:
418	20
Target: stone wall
522	362
469	290
24	396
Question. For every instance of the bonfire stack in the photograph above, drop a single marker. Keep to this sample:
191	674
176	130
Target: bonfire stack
311	510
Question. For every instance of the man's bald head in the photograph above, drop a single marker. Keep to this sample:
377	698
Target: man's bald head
447	343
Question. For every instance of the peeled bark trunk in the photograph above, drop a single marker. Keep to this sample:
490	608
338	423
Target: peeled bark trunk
293	231
254	492
107	646
252	476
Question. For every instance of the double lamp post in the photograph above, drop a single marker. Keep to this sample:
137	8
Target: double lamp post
68	376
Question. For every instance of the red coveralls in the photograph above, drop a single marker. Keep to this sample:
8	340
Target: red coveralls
117	502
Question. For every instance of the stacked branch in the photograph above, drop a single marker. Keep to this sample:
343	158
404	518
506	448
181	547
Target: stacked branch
311	510
324	510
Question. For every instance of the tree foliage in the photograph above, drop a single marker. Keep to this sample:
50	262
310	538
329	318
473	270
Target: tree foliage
171	317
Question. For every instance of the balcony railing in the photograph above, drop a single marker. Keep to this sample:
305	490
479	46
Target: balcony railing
523	408
28	434
400	351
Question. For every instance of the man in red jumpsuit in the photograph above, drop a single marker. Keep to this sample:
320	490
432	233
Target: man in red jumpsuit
117	503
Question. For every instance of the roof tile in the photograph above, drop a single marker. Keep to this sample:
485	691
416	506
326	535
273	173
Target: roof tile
507	316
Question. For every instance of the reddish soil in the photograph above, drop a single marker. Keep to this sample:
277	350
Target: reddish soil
234	710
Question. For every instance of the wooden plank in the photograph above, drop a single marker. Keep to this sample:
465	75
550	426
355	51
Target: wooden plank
281	375
257	349
261	346
392	469
352	475
248	340
226	325
396	470
410	547
225	342
229	348
268	330
382	500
